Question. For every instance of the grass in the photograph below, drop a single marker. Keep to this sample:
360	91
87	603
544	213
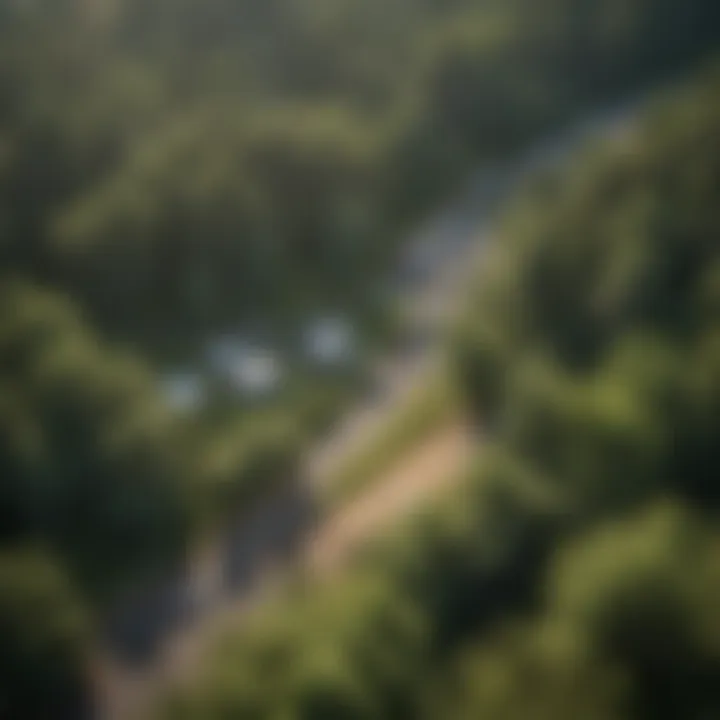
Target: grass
433	405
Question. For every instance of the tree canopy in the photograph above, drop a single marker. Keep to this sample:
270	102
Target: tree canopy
574	572
170	169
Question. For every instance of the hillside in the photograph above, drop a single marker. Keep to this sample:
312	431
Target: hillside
575	571
205	208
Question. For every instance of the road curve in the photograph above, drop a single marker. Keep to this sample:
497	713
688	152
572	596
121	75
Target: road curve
236	571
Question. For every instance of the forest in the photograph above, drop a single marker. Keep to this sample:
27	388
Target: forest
576	573
173	170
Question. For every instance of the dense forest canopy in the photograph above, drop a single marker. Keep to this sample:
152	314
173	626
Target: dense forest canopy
179	166
90	459
170	169
575	573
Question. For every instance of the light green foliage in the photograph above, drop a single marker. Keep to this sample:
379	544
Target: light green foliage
351	652
546	672
629	630
359	647
646	591
608	346
594	325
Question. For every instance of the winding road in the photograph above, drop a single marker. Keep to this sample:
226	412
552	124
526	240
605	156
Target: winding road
162	636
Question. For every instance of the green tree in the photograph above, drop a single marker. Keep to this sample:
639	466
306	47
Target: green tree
43	641
91	459
646	591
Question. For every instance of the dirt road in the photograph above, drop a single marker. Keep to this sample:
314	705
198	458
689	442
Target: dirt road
407	486
445	250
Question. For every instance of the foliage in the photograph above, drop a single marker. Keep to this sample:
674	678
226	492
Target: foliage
170	169
590	329
181	166
90	458
430	407
574	573
43	636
